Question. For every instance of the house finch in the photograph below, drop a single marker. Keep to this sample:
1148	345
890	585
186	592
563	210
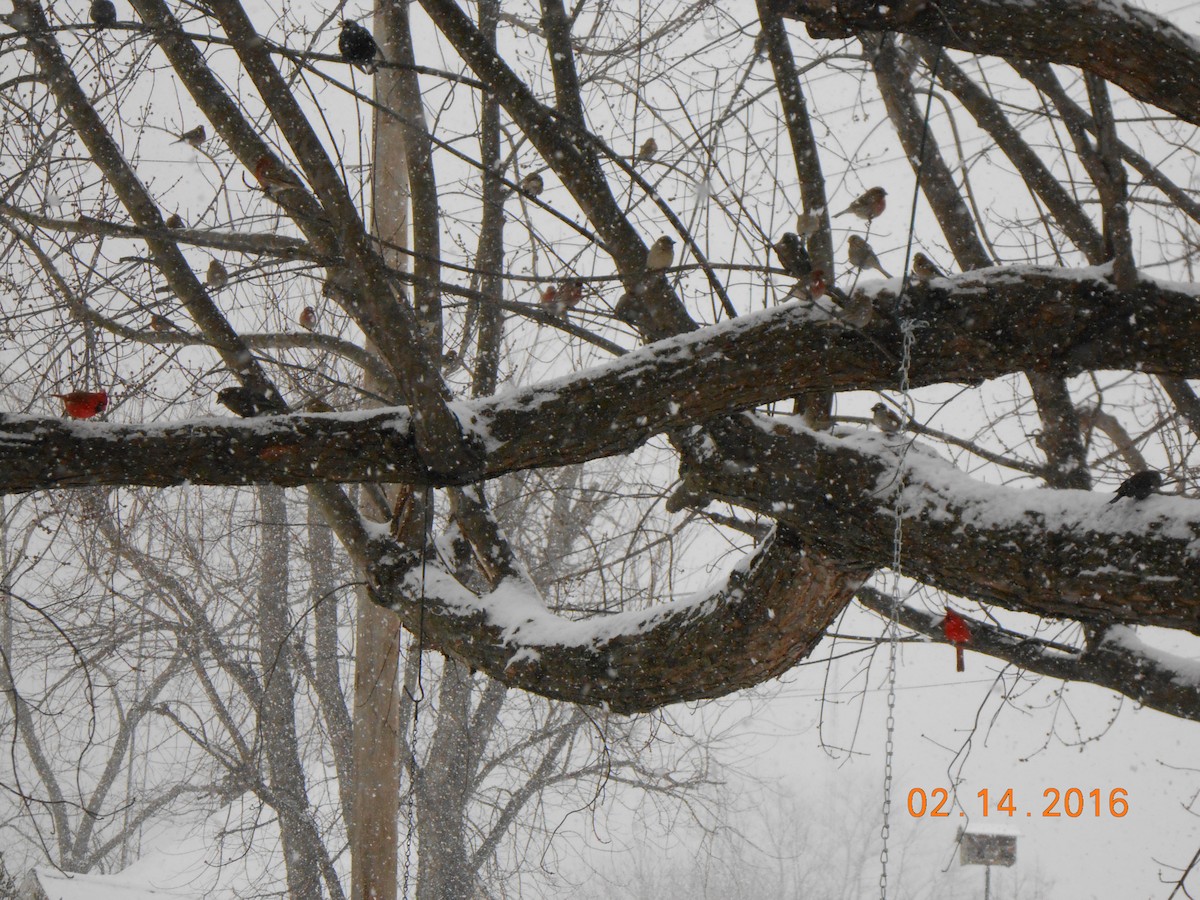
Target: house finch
357	46
793	255
308	319
807	223
83	404
957	632
562	297
816	284
104	13
647	150
274	178
661	254
1139	486
244	402
217	275
885	420
861	256
195	137
923	268
161	323
532	184
174	220
869	205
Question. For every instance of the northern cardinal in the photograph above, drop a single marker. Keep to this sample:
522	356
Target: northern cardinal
885	420
957	632
357	46
923	268
1139	486
868	205
308	318
104	13
195	137
647	150
793	255
861	256
83	404
661	254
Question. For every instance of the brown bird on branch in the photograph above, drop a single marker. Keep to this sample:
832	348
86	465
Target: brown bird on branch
861	256
869	205
195	137
661	254
924	269
886	420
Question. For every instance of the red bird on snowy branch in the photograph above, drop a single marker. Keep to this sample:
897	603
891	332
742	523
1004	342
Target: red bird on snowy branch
957	632
83	404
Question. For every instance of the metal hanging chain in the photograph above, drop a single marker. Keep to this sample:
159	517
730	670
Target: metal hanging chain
410	797
908	326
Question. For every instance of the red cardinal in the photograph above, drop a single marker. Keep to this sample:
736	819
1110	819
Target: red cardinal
83	404
957	632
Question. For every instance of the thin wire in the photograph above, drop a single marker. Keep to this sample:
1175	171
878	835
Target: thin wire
908	327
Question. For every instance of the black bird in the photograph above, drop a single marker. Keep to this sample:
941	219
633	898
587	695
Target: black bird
104	13
357	46
793	255
1139	486
244	402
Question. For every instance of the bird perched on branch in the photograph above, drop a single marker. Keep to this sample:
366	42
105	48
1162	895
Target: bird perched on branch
647	150
217	275
868	205
532	184
308	319
558	298
923	268
807	223
793	256
103	13
861	256
357	46
958	633
885	420
274	178
174	221
195	137
161	324
83	404
244	402
661	254
1139	486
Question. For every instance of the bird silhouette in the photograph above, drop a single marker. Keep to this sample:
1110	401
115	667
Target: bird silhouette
357	46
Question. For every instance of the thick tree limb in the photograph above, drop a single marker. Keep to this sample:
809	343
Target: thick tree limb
768	616
980	325
1146	55
1116	664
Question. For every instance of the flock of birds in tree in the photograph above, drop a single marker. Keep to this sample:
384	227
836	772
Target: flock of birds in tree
357	47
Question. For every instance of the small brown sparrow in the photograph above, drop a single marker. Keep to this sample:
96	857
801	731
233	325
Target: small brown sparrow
217	275
885	420
174	220
532	184
861	256
195	137
647	150
661	254
923	268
